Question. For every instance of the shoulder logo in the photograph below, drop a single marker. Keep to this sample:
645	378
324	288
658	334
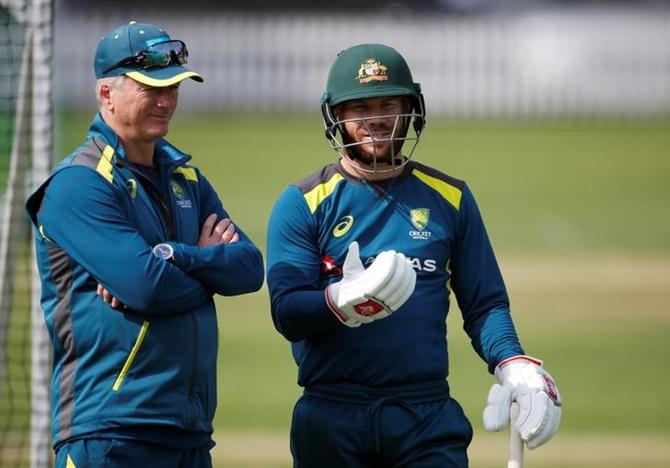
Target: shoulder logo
131	185
343	226
372	70
43	234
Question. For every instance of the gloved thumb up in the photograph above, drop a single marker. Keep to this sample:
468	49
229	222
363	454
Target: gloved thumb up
353	266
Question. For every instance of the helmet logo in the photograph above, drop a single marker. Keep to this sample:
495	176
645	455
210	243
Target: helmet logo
372	70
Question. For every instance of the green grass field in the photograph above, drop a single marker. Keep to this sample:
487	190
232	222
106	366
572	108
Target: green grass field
578	214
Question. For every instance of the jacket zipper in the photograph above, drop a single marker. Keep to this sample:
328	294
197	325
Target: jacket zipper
191	387
194	334
164	211
166	217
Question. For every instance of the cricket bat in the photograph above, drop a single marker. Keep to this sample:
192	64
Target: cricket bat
515	442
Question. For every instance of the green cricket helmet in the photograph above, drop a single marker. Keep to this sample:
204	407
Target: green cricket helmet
371	71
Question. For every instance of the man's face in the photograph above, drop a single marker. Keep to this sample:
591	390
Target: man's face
373	123
141	113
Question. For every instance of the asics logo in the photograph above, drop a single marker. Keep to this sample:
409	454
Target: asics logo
131	185
343	226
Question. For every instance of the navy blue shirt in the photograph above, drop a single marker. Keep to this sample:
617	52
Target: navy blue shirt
430	217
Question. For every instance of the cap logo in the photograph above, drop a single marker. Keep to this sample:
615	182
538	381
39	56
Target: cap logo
372	70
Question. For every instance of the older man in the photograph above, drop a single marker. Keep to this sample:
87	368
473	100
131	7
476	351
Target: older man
132	243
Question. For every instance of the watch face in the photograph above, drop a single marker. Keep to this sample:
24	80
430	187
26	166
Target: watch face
163	251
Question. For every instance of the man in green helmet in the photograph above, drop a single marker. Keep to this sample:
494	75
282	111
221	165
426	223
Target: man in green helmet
361	255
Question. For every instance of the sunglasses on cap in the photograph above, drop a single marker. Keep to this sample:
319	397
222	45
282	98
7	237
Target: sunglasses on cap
157	55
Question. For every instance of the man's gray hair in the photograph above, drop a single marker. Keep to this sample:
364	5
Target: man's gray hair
110	81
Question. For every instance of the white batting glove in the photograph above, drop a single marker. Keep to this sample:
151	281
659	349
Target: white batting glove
522	379
363	296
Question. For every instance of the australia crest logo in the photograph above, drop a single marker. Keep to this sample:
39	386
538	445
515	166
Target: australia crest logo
177	190
179	195
420	217
372	70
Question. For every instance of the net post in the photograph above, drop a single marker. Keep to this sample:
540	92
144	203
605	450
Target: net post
18	157
42	143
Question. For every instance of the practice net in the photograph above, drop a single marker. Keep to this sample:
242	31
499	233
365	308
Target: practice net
26	124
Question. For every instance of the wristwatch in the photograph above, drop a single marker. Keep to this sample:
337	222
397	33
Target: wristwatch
164	252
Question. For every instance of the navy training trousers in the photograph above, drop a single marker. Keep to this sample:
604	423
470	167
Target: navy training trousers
127	453
387	432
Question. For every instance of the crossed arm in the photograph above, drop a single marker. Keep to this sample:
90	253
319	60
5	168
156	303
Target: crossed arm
96	232
212	233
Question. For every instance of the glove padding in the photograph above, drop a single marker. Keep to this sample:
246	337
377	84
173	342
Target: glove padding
521	379
365	295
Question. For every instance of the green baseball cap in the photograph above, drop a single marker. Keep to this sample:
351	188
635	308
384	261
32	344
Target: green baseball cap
144	52
367	71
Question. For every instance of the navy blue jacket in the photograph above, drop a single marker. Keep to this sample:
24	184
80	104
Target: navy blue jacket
148	371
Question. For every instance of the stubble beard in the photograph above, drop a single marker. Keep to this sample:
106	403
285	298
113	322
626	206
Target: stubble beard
371	153
382	156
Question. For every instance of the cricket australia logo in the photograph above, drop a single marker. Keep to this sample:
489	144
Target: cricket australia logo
372	70
419	218
343	226
179	195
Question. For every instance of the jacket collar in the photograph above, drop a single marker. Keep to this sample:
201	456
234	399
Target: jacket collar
165	153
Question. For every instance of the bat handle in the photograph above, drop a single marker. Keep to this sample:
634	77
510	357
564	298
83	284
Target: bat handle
515	442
